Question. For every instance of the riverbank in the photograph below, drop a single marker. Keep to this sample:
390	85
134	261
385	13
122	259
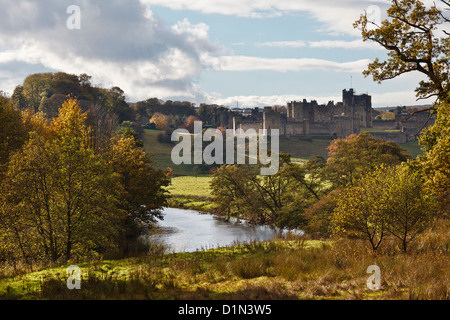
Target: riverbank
295	268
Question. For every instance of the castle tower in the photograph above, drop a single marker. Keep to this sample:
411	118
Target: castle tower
272	120
358	105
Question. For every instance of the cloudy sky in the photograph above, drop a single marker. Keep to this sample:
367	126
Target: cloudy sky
230	52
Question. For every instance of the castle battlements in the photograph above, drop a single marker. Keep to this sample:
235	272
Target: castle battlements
332	120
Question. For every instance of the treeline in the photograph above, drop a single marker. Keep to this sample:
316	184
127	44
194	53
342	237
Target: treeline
45	92
72	186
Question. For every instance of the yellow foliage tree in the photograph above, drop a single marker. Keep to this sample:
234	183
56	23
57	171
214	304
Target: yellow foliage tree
161	122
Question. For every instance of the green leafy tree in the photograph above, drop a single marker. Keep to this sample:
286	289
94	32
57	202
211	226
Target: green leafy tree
232	191
387	201
435	164
409	208
277	200
35	88
17	98
359	212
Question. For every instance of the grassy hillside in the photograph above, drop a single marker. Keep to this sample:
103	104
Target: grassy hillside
304	149
161	154
299	148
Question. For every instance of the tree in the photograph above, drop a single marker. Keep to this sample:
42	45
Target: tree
435	164
61	199
144	187
415	41
359	212
389	200
189	123
277	200
102	127
232	191
351	158
409	207
12	131
160	121
35	87
17	98
310	175
318	216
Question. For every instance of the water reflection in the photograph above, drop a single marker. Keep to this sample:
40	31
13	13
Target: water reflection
189	230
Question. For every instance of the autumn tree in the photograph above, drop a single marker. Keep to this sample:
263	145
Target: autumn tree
351	158
189	123
389	201
144	186
61	199
319	214
160	121
12	130
414	37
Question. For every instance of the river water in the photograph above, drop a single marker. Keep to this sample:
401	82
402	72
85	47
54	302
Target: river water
188	231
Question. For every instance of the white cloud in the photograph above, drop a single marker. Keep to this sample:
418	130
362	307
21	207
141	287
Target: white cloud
246	63
357	44
336	16
120	43
283	44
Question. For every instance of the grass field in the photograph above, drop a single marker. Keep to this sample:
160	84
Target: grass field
413	148
161	153
190	192
191	186
289	268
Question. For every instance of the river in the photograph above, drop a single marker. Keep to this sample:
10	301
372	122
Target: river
188	231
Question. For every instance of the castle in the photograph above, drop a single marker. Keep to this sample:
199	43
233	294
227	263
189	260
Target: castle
330	121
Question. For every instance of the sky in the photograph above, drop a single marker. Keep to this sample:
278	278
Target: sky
246	53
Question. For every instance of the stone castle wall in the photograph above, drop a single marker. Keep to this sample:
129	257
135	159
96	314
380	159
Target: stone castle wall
303	118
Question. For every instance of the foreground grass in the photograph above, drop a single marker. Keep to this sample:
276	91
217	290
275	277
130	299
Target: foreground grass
278	269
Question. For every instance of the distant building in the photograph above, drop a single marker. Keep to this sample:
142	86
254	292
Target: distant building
328	121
